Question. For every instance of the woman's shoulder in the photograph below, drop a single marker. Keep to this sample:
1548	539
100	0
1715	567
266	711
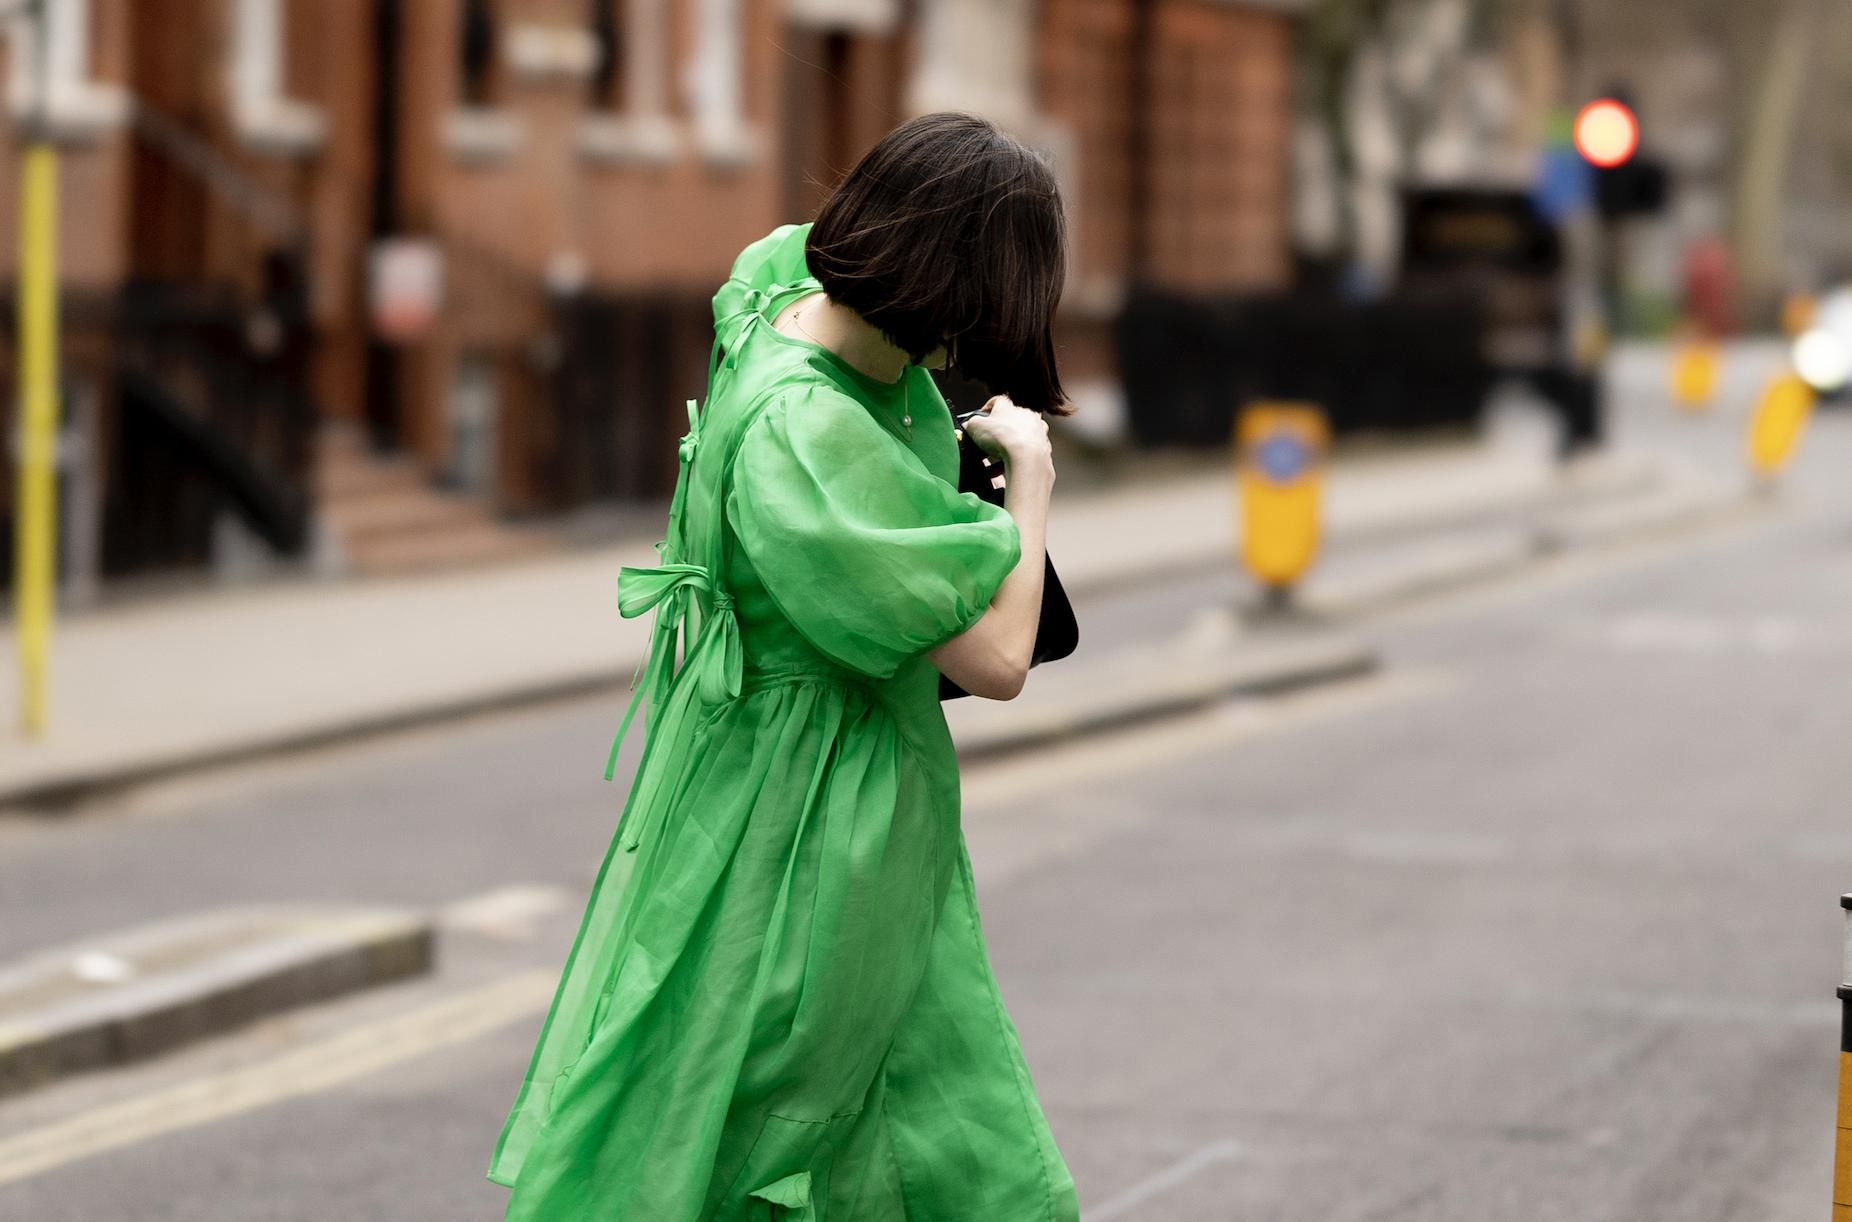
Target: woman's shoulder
814	410
820	434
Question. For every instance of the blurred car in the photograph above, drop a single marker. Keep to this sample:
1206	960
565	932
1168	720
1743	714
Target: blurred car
1822	353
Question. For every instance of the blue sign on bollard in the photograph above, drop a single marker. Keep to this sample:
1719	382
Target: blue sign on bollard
1283	457
1279	456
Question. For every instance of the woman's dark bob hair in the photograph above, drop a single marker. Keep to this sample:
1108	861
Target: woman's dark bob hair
951	232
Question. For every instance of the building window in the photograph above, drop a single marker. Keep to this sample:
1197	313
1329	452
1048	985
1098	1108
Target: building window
264	116
628	100
476	49
48	73
977	55
714	83
479	129
605	88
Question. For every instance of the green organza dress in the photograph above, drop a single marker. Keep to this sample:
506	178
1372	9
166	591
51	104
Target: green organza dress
779	1004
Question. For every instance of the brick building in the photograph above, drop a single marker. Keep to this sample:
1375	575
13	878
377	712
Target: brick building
566	182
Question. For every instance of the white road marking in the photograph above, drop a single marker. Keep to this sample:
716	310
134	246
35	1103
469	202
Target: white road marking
509	913
1660	632
1123	1204
1774	634
307	1070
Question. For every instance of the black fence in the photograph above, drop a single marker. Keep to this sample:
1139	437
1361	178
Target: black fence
1479	298
199	408
1189	365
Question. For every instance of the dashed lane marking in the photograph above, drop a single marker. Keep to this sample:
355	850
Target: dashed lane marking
1146	1189
511	914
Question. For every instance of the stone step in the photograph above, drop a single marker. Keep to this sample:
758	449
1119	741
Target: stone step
428	551
344	477
392	511
389	519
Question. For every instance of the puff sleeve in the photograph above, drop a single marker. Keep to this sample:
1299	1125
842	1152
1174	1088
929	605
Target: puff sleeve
872	557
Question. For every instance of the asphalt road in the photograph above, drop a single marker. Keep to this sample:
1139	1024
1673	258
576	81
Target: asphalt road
1540	923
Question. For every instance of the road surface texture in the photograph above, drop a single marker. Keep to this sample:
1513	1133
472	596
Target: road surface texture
1538	924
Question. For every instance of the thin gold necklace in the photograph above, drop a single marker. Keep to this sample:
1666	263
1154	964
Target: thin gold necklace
906	391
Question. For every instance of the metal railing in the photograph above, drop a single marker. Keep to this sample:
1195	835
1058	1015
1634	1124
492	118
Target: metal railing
195	389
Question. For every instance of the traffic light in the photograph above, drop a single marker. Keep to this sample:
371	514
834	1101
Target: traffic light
1636	187
1607	134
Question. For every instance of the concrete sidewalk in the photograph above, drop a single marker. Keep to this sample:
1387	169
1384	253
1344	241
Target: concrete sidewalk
202	678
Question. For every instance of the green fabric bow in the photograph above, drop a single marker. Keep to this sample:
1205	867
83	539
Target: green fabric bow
716	660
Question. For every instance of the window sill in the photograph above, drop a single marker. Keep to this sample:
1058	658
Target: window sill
79	112
861	16
629	140
281	128
729	145
540	53
482	135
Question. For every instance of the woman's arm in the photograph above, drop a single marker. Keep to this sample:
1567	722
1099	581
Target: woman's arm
991	658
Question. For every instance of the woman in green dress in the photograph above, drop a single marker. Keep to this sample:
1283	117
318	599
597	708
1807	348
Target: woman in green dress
779	1005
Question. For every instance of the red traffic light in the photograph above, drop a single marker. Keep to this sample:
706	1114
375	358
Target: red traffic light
1606	133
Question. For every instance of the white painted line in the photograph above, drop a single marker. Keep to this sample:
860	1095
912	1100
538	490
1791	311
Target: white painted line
1122	1205
509	913
308	1070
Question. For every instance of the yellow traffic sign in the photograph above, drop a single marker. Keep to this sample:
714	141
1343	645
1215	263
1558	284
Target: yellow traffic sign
1280	453
1780	419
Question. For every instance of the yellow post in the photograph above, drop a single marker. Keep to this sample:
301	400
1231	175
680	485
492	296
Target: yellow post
1842	1150
1279	465
1775	429
35	511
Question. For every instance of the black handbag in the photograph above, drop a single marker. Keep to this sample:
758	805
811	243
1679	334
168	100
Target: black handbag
1057	634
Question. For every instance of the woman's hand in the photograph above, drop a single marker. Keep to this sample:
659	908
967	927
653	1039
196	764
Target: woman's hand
991	658
1016	434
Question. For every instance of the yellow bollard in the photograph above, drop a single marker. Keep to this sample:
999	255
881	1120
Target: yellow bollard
1694	375
1842	1148
1280	451
35	516
1780	419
